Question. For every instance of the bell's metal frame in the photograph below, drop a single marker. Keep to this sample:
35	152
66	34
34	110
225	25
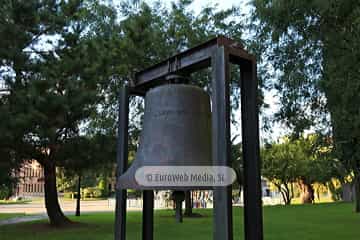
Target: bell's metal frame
218	53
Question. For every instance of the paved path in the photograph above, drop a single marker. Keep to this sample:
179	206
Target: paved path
36	210
66	205
22	219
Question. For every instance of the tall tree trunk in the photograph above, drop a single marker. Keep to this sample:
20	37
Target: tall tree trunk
282	192
188	204
357	193
56	216
178	197
307	192
78	197
287	194
318	194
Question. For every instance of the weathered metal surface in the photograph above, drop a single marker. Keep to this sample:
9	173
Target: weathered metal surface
190	61
122	159
176	131
221	142
251	153
148	215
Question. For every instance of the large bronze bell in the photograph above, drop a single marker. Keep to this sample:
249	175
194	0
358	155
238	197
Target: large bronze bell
176	131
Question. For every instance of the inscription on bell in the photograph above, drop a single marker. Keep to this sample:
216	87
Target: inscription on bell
169	113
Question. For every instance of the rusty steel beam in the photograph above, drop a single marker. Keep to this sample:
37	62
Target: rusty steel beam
190	61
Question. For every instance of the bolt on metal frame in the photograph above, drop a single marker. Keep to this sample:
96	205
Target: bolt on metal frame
217	53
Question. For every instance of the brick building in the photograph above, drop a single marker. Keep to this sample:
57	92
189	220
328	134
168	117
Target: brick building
31	180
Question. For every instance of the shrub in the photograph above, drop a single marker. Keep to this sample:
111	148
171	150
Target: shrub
5	192
92	192
69	195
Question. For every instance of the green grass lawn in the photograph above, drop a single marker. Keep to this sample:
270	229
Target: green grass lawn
4	216
312	222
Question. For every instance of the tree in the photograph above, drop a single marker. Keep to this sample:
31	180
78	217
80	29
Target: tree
152	33
64	62
306	161
84	155
237	163
318	165
8	168
280	163
55	60
313	47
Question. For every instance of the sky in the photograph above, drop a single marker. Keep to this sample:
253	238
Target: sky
222	4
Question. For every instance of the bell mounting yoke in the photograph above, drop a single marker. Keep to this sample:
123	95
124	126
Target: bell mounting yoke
217	53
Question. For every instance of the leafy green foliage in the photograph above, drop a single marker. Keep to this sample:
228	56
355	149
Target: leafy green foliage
151	33
304	160
54	91
280	165
313	48
55	61
237	163
64	62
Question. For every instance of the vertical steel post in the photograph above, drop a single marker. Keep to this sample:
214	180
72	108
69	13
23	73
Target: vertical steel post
223	226
148	215
122	160
250	141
